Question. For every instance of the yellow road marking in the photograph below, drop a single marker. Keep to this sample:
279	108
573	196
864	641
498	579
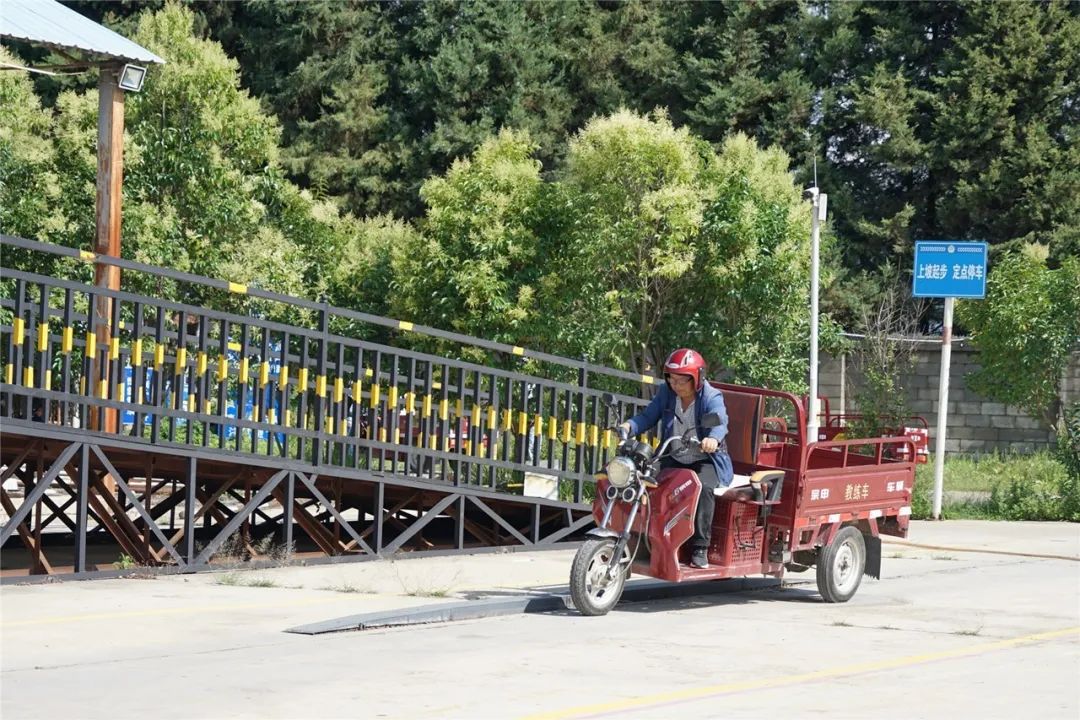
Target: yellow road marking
784	680
60	619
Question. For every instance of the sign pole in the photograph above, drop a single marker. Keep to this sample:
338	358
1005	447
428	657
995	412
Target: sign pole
943	405
947	269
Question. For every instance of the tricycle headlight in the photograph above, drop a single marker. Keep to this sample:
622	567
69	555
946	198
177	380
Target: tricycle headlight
620	471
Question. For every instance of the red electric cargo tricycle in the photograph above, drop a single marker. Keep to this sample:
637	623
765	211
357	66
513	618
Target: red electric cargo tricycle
792	505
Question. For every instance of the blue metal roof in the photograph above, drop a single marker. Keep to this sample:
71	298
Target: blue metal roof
48	23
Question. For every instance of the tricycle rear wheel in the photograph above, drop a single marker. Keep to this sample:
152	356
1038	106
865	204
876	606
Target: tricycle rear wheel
840	566
593	593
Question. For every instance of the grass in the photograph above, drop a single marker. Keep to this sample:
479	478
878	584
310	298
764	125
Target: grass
238	580
983	473
1012	487
345	587
431	592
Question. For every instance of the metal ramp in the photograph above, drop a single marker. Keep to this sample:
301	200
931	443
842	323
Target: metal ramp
244	426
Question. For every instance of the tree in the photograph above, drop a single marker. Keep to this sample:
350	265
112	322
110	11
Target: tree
29	185
475	265
676	245
363	277
754	280
638	201
204	190
375	98
1006	151
1025	330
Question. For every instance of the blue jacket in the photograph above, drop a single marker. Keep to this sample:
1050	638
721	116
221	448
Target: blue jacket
709	400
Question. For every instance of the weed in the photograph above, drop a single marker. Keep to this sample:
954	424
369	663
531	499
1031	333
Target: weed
841	623
126	562
431	592
969	633
443	589
345	587
235	579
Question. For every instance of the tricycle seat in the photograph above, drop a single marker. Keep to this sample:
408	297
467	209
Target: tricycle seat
737	481
763	487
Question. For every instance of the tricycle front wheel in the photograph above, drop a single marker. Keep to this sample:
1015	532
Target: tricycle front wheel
840	566
592	588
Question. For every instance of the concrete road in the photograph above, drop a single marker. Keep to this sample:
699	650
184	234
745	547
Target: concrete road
946	634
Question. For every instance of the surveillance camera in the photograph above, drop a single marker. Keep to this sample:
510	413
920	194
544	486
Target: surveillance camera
810	193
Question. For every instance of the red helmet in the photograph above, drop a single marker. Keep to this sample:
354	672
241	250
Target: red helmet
685	361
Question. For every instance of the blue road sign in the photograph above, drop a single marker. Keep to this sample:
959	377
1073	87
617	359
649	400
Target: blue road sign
944	268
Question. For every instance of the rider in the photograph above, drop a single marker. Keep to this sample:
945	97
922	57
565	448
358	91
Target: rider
680	404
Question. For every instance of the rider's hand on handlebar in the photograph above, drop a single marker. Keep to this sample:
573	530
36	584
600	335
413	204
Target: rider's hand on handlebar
623	431
709	445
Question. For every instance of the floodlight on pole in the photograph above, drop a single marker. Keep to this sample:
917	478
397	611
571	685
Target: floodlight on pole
131	77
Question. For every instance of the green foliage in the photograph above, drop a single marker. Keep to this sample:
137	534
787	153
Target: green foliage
880	362
1006	157
1025	331
881	402
476	264
946	120
201	160
363	276
1037	499
1033	487
577	226
204	191
1068	453
376	98
754	279
29	185
636	190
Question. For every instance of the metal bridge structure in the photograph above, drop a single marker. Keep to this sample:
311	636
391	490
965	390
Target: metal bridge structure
232	425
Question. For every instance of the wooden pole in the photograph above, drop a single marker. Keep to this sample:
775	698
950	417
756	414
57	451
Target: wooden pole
110	175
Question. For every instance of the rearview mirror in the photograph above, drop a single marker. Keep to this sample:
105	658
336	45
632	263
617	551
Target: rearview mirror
608	399
710	421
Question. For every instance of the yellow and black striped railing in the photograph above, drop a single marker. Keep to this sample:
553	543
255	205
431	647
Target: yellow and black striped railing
211	379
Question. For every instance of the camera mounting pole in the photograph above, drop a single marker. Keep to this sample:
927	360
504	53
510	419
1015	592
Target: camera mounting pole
819	203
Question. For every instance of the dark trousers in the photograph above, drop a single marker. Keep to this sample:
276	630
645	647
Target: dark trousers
706	505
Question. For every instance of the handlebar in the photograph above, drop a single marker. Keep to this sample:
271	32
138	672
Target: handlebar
693	442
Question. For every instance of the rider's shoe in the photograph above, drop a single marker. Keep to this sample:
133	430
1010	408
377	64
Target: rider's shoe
699	558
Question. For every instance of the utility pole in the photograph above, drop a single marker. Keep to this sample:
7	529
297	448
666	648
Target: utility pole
110	174
819	204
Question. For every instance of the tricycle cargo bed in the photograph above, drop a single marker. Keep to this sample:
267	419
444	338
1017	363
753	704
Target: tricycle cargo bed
865	482
858	480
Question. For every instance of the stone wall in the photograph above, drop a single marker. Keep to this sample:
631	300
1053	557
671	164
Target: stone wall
976	424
